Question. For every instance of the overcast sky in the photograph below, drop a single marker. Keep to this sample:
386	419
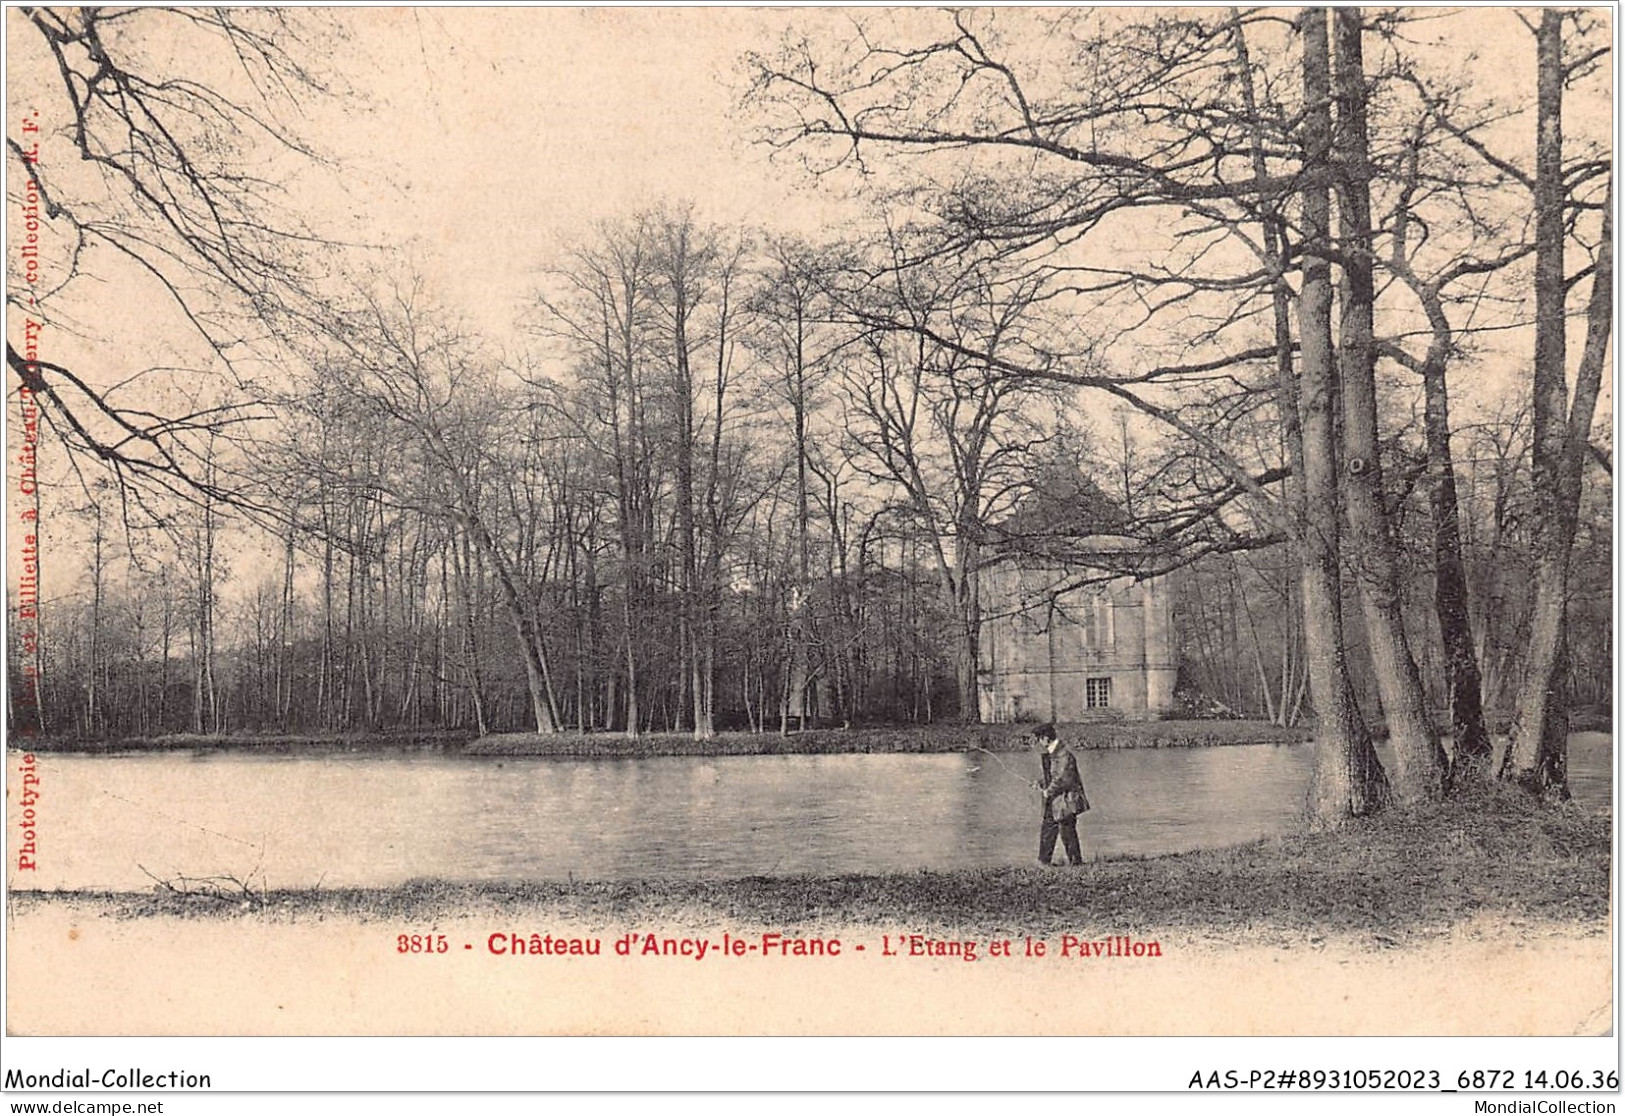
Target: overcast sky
496	136
489	139
485	140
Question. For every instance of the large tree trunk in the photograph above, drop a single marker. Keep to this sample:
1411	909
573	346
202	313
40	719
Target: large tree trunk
538	677
1451	598
1450	595
966	668
1532	757
1537	755
1348	779
1418	758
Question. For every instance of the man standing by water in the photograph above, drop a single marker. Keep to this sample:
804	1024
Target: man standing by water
1063	793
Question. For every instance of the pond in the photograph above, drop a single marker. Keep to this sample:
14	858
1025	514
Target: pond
369	820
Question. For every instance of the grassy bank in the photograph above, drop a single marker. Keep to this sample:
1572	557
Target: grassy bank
395	740
904	739
1407	876
603	745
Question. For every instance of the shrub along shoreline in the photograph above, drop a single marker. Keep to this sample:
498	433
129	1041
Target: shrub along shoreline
909	739
1492	856
817	741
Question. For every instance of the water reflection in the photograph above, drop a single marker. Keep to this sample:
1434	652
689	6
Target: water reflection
370	820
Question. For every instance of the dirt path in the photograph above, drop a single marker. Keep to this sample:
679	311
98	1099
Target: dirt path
75	971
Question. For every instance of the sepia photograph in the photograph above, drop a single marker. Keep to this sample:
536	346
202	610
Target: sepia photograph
666	523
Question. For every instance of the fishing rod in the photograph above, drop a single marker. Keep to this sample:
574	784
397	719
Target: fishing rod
1007	769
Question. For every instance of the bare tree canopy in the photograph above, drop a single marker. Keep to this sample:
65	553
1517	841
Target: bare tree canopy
154	155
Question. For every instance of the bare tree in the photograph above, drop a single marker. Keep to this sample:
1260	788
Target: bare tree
944	428
1538	755
1348	779
1420	761
699	275
144	175
789	306
601	314
427	380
